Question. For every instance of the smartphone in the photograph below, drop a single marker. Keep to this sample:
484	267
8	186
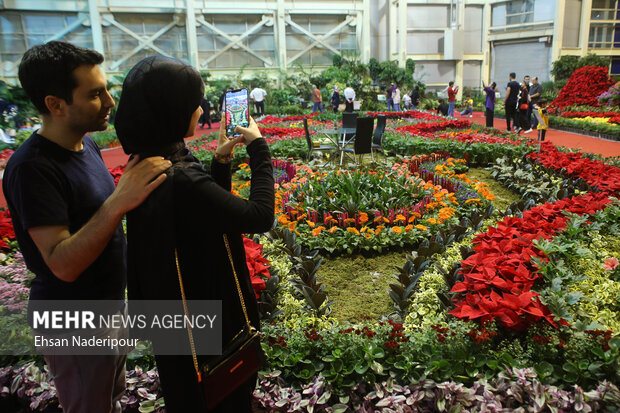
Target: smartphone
237	110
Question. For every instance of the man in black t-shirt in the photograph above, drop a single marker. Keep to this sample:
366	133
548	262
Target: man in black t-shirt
66	211
510	103
442	108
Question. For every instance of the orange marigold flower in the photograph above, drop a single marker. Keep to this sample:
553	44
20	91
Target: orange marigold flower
243	165
333	229
363	217
367	235
349	220
310	223
469	201
353	231
316	231
421	227
431	221
400	218
292	226
408	228
397	230
283	219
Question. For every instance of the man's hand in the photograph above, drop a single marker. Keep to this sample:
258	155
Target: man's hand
140	178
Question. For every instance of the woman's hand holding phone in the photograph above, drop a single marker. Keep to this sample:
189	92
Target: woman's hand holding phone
225	144
250	133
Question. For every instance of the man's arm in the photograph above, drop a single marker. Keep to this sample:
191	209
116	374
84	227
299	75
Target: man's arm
69	255
507	95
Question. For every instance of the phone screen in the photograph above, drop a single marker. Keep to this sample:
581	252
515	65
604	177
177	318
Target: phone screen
237	110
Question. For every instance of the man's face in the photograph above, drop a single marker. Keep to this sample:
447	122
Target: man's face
535	81
527	79
91	105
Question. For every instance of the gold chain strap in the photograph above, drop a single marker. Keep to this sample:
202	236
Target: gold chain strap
232	264
189	328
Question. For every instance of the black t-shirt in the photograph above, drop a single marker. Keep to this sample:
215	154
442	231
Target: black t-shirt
46	184
514	91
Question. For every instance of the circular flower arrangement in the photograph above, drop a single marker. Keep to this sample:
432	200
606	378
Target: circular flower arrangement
362	210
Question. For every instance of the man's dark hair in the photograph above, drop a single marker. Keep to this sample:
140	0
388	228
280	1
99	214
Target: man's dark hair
47	69
450	84
493	85
441	101
348	85
513	75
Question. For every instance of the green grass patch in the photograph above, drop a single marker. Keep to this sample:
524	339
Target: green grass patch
359	284
503	196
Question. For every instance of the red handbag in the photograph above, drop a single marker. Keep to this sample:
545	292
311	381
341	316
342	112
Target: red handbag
241	358
523	106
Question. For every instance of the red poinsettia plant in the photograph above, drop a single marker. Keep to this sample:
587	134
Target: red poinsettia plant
605	178
584	87
426	127
499	277
6	229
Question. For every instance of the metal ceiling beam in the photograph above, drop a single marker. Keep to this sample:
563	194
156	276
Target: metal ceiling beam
143	42
235	40
317	39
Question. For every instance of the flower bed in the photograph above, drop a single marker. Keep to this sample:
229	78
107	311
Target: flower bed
424	128
603	177
346	211
584	87
498	278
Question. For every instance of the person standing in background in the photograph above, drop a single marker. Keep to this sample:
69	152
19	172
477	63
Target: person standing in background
349	97
489	104
452	92
258	96
396	98
415	97
523	104
388	97
335	101
535	93
543	119
206	113
318	100
510	102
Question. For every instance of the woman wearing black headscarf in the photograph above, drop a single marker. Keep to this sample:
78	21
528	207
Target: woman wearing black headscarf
190	211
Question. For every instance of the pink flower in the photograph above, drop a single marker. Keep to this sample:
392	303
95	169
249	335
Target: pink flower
611	264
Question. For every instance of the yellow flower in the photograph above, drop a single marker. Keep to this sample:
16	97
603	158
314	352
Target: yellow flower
367	235
353	230
421	227
243	165
317	231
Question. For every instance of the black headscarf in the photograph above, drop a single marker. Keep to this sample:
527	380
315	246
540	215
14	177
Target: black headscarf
159	96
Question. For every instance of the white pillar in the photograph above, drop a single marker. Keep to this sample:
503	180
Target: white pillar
486	46
192	39
402	32
391	29
280	34
365	52
558	30
584	26
95	25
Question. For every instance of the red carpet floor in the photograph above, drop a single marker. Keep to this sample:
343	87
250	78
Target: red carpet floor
115	156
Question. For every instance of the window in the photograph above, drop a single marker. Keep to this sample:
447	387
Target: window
601	35
603	10
518	12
